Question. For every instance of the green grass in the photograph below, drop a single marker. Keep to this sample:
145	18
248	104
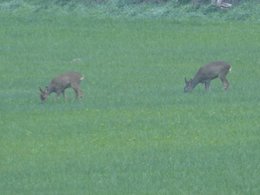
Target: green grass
135	132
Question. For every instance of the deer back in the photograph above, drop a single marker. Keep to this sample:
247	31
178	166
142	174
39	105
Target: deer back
64	81
211	71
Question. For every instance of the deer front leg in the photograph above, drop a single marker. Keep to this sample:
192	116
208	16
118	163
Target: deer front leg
207	84
59	92
63	94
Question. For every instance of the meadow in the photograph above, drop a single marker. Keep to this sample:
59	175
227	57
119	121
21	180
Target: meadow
135	131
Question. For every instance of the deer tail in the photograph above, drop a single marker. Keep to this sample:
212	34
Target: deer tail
82	78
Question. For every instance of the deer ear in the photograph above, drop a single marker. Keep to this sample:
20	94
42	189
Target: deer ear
185	80
40	89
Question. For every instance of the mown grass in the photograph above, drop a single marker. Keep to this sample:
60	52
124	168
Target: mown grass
135	132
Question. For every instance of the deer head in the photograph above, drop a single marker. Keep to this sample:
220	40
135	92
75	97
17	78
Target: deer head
44	94
188	85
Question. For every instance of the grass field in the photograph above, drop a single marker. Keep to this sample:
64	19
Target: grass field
135	132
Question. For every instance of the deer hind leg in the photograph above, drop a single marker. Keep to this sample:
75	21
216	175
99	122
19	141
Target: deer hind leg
77	91
224	81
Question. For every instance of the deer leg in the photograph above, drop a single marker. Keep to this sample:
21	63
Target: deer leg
63	94
77	91
224	82
80	93
58	94
207	84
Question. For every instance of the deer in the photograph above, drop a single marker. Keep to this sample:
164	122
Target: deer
62	82
207	73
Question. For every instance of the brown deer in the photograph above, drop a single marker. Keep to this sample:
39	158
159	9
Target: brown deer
207	73
62	82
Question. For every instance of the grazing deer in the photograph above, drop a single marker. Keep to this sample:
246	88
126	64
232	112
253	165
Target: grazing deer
207	73
62	82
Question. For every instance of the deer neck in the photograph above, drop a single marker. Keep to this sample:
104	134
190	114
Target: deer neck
195	81
50	89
